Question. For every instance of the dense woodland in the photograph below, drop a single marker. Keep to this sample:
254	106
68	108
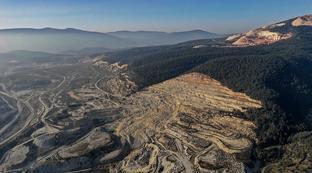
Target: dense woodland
280	75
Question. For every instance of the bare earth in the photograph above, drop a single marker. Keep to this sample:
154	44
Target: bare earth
93	115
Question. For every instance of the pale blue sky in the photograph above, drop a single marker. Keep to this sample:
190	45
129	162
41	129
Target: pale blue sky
220	16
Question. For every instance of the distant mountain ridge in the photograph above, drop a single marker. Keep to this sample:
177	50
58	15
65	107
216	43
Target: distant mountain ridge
59	40
157	38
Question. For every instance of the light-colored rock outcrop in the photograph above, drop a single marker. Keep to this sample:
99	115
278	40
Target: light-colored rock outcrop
252	38
271	33
302	21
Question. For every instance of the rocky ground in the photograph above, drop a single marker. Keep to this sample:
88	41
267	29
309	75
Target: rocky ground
188	124
90	117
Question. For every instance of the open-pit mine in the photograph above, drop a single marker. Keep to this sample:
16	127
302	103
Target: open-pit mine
89	116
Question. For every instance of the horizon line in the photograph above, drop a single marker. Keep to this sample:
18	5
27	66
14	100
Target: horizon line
107	32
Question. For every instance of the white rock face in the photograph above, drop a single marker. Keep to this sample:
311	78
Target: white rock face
302	21
199	46
275	25
280	24
258	37
271	33
233	37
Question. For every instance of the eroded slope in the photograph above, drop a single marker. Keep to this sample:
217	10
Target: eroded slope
188	123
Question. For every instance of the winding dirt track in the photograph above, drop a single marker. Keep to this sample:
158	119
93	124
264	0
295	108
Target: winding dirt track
19	109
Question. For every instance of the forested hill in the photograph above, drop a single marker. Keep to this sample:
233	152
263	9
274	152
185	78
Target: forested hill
278	74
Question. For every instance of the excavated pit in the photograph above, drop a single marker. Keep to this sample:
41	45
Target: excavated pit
190	119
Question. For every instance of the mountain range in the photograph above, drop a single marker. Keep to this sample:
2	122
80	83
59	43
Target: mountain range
58	40
159	38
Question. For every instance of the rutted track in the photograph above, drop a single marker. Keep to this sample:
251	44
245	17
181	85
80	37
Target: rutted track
20	106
